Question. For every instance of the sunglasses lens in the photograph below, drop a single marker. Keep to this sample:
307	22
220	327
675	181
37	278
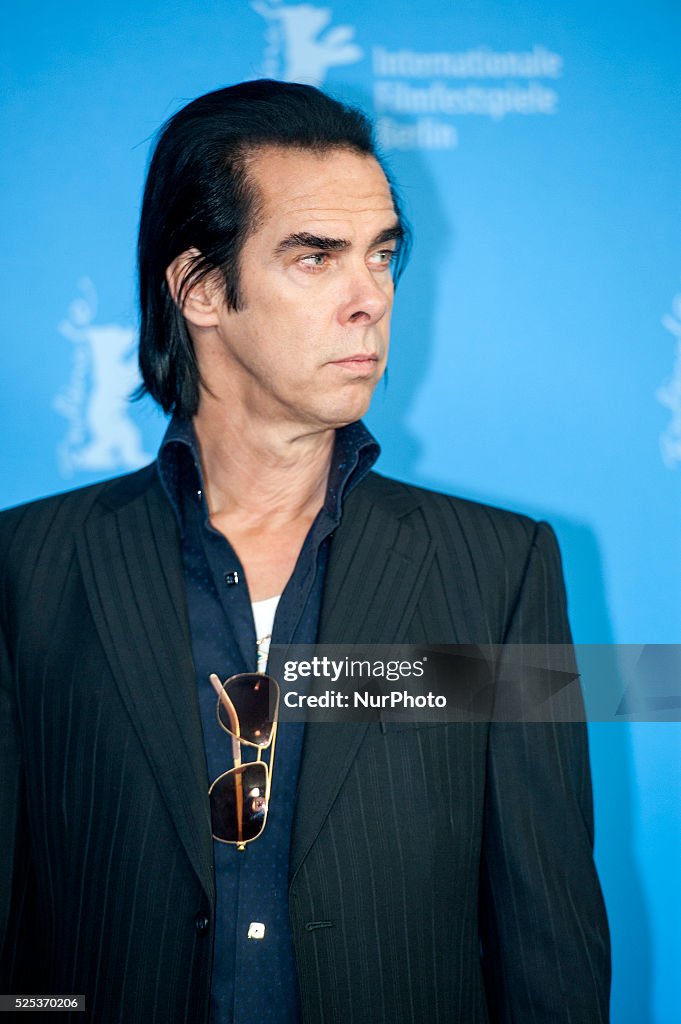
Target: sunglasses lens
250	697
238	803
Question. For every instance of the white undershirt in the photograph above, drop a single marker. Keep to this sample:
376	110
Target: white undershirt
263	617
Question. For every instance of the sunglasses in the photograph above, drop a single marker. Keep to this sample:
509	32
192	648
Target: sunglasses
239	798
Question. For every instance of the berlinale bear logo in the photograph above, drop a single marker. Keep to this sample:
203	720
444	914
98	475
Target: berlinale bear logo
298	47
100	434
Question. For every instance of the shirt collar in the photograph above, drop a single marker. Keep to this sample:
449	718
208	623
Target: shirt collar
355	452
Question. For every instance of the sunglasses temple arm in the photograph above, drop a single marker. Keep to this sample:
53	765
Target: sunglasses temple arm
224	699
239	789
271	771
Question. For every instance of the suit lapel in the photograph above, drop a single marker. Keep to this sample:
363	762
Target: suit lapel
132	567
378	562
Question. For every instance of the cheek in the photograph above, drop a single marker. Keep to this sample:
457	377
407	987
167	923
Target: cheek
291	311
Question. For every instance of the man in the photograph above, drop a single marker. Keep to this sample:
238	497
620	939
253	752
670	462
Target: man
269	242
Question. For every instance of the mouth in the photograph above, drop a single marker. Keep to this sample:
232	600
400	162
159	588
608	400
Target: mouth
361	365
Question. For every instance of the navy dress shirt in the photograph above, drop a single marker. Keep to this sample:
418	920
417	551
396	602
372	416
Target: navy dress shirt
254	980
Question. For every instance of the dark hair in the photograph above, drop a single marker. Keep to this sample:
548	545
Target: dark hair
198	195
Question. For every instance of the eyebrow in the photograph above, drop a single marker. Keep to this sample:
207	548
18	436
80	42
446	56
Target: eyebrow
306	240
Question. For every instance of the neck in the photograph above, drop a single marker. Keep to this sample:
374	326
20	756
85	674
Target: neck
257	470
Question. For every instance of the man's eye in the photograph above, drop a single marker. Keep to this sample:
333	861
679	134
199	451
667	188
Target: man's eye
315	259
382	258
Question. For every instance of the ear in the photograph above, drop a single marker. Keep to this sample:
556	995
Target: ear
200	303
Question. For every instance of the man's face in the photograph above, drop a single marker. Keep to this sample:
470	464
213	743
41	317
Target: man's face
310	341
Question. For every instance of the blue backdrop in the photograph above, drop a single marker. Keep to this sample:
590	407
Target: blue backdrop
537	349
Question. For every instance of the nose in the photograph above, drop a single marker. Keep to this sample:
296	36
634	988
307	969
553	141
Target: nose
368	297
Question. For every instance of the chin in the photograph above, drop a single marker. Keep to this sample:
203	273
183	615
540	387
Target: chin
334	419
352	408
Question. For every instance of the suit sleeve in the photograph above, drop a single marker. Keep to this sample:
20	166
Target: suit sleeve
10	813
18	947
544	932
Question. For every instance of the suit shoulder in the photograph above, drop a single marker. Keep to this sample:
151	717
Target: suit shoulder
27	528
510	531
113	491
480	557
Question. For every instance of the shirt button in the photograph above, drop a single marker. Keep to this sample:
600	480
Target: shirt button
231	578
256	930
201	923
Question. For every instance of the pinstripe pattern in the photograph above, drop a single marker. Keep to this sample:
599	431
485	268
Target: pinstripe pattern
436	835
409	842
114	892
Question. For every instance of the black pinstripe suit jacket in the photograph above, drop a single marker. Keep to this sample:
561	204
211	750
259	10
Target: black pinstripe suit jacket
106	882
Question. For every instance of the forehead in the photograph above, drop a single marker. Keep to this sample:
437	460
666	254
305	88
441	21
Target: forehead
298	188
